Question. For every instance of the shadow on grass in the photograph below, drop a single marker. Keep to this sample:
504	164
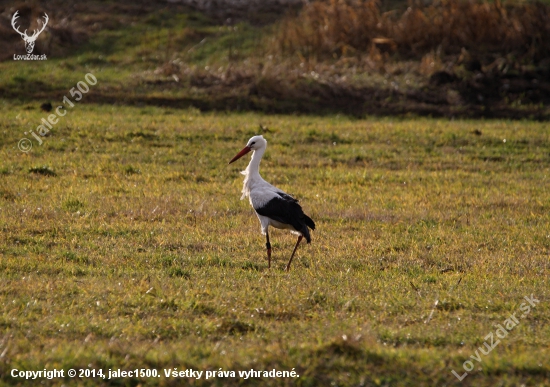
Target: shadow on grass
482	98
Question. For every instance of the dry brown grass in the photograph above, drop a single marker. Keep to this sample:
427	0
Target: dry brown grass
336	28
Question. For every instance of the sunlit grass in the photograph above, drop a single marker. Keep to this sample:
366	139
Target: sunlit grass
135	251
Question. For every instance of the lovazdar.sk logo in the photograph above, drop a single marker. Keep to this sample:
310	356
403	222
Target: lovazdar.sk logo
29	40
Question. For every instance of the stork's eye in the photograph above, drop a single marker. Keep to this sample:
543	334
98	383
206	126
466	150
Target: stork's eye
253	142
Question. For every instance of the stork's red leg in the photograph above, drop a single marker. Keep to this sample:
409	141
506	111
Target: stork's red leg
268	246
292	256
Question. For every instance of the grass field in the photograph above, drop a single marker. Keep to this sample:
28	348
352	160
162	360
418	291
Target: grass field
124	245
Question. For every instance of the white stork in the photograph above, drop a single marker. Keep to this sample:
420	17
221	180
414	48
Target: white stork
273	207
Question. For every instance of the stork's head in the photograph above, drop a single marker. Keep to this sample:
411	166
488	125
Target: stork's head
255	143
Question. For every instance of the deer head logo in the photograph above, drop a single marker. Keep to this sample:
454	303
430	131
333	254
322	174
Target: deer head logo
29	40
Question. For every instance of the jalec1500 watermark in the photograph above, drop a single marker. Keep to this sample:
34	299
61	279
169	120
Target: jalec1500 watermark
77	93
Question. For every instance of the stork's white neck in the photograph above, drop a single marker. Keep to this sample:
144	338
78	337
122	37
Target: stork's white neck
254	165
252	172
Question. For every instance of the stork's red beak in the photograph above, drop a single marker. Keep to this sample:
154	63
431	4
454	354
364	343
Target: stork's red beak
245	150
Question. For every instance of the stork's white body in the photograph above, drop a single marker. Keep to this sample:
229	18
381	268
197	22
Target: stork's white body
260	192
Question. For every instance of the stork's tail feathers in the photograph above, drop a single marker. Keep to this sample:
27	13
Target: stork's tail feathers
309	222
305	231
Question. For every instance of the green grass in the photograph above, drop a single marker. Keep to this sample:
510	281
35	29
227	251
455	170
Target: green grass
126	66
124	244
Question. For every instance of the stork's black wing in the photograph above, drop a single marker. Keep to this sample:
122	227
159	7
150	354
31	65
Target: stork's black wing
287	197
285	209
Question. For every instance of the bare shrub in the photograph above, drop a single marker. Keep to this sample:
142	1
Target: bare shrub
336	27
